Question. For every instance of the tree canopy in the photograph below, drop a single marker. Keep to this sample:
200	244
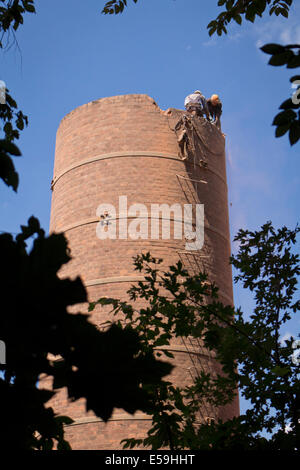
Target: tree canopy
43	338
247	346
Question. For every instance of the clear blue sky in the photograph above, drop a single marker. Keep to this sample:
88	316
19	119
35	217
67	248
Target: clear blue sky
70	54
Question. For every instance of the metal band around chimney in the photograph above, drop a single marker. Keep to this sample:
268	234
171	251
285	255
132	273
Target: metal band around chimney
94	220
133	278
132	153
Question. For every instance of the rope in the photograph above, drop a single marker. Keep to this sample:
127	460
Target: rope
191	128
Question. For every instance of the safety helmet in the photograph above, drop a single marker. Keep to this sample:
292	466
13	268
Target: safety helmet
215	98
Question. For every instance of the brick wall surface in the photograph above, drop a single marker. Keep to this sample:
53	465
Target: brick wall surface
126	145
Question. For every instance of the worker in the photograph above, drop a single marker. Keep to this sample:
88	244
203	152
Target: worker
196	104
215	109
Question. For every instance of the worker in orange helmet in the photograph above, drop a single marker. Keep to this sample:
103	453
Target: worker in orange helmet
215	109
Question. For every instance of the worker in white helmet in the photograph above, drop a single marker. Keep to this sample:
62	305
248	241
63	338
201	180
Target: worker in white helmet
196	104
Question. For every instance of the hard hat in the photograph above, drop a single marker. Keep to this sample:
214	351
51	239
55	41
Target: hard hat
197	91
215	98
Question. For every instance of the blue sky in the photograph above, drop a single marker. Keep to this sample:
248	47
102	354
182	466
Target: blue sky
70	54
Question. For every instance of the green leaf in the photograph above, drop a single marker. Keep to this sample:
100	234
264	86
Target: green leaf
10	148
20	124
284	117
8	128
229	4
281	59
280	371
288	104
294	62
7	172
294	134
30	8
281	130
273	49
238	19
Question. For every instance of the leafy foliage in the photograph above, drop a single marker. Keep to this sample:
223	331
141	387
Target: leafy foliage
42	338
249	351
174	410
269	268
289	118
115	6
236	9
13	121
11	15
